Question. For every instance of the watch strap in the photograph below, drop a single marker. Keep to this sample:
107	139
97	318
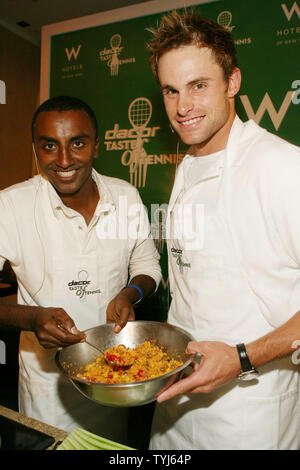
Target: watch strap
244	358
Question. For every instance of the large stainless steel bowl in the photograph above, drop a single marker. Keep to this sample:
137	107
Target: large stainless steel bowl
72	359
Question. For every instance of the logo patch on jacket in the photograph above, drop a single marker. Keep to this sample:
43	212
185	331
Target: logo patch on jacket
81	286
177	254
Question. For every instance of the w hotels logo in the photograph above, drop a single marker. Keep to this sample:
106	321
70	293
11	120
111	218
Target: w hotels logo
72	52
72	68
267	105
289	13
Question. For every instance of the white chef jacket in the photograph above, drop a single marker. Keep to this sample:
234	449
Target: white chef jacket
60	261
240	284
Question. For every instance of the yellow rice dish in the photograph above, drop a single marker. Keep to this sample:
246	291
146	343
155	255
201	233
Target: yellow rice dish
144	362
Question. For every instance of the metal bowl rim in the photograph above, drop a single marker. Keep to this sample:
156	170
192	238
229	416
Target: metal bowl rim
127	384
146	322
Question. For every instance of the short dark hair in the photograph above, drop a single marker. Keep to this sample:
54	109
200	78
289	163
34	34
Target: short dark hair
61	104
189	28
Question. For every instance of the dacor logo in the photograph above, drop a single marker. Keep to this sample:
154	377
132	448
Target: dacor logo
72	53
224	19
2	92
289	13
133	140
111	56
82	279
267	105
80	287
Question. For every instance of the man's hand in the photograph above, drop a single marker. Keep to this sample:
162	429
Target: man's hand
219	364
54	328
120	311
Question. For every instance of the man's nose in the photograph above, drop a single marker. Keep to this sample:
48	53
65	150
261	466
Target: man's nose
184	104
64	157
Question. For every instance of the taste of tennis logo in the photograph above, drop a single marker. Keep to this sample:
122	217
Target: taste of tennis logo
80	287
132	140
111	56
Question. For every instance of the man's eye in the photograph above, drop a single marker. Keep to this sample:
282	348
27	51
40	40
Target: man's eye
198	86
48	146
78	144
169	92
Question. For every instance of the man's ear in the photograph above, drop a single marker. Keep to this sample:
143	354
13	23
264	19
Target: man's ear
234	82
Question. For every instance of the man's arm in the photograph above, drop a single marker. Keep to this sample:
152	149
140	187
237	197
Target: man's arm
279	343
43	321
220	362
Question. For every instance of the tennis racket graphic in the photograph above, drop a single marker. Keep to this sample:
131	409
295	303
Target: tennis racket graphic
224	19
139	114
115	42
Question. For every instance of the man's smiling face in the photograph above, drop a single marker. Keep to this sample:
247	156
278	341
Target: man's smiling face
65	144
198	100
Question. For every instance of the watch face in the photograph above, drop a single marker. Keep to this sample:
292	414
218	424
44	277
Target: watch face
250	375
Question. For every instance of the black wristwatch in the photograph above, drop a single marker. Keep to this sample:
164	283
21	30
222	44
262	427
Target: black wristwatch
248	372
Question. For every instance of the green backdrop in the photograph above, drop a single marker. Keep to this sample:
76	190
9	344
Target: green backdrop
107	66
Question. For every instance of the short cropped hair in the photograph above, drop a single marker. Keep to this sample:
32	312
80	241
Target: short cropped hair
189	28
64	103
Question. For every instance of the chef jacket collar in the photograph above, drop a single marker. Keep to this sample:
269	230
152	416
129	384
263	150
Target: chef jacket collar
105	204
242	134
240	137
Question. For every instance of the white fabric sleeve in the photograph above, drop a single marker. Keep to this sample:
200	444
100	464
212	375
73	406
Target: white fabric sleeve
286	206
9	245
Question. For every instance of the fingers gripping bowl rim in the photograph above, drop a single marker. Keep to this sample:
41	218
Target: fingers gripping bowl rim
71	360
